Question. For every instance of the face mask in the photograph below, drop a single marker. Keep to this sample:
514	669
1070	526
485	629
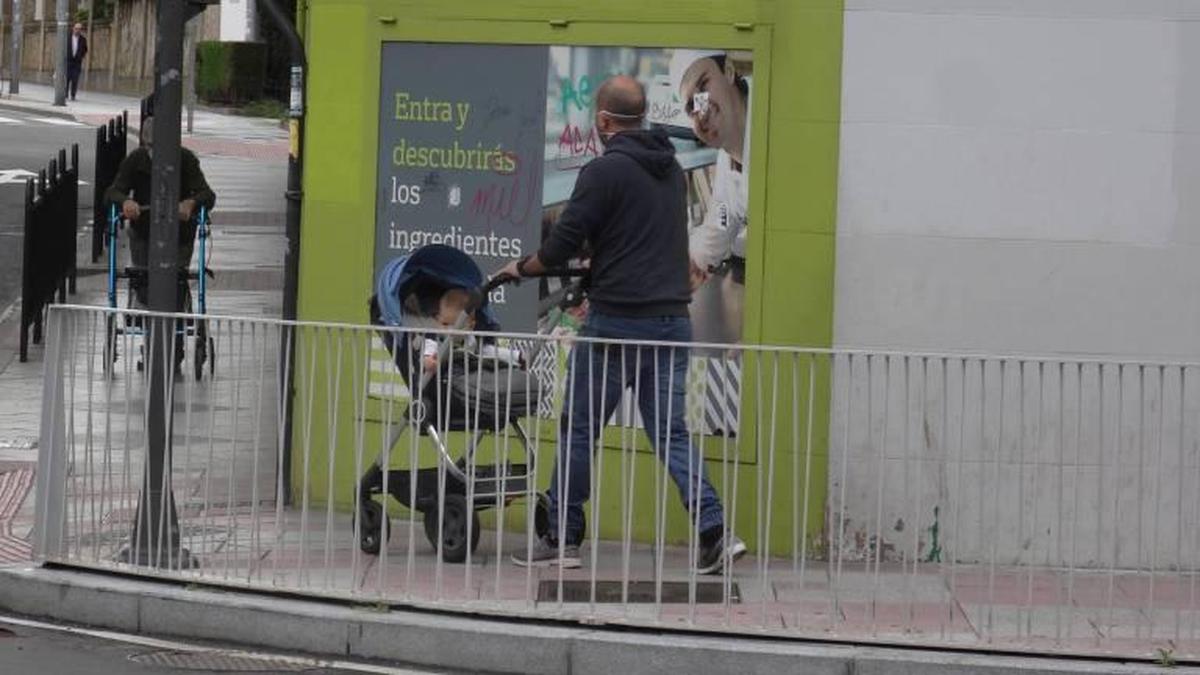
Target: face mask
606	138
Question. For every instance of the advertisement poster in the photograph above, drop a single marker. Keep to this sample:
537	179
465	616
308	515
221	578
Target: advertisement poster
480	146
460	158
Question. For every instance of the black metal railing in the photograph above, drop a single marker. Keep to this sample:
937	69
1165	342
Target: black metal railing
111	139
51	217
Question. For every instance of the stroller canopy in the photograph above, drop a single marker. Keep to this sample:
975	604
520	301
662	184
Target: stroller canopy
429	271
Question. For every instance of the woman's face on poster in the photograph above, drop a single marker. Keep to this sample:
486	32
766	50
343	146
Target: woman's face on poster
710	99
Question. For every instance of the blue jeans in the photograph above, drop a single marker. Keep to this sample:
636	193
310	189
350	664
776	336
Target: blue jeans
597	378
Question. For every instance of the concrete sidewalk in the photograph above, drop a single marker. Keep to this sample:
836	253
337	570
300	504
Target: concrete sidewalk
213	133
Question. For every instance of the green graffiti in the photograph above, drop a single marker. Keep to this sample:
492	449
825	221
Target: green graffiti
578	94
935	548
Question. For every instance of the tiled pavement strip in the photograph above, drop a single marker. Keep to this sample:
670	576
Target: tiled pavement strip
245	537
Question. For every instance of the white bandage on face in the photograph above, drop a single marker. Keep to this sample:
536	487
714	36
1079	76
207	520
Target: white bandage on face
700	103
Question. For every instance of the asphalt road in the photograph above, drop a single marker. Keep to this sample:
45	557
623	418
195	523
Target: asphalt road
35	647
27	143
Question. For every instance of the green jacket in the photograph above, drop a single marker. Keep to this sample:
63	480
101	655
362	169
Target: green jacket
133	182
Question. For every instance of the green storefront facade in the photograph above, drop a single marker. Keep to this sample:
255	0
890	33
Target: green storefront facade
794	122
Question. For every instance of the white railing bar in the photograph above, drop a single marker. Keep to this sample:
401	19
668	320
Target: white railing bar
334	391
808	451
361	378
1179	515
859	351
189	402
1116	482
661	475
596	473
1192	604
253	565
628	454
915	516
839	550
288	338
878	547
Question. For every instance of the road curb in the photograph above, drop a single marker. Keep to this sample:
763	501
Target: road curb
469	643
21	106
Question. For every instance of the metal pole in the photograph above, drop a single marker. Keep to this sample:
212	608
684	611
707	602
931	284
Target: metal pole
291	260
2	59
63	48
189	69
18	36
157	526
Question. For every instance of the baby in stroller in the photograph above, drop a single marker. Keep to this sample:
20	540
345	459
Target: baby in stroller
436	285
481	389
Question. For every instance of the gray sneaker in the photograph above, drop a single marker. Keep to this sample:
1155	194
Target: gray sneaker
547	554
712	558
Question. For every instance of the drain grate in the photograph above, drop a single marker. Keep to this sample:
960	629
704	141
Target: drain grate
639	592
218	660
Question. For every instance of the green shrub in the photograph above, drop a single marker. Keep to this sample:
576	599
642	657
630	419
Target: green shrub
266	107
230	72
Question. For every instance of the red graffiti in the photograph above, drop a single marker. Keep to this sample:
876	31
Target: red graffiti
509	200
573	142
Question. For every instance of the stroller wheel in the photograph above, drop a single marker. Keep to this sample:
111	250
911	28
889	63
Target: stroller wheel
454	546
375	528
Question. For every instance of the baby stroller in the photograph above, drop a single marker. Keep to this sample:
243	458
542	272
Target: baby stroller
478	389
138	281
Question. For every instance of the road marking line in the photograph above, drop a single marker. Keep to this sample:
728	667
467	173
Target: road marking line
8	311
59	121
15	176
9	120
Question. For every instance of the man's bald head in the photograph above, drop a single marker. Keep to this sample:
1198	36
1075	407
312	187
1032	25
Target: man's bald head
623	100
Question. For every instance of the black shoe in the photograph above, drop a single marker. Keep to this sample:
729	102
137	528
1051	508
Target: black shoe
713	558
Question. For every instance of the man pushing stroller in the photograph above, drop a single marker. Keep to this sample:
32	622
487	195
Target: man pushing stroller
630	207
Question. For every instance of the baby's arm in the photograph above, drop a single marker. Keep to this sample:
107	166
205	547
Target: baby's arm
429	352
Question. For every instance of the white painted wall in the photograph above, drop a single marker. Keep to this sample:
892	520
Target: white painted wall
239	20
1021	180
1021	176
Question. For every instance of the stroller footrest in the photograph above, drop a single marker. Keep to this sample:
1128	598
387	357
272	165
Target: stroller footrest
492	480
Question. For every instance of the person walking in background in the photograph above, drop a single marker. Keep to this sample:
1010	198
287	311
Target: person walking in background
630	206
78	50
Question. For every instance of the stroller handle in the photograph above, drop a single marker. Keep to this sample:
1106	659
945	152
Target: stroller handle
570	295
559	272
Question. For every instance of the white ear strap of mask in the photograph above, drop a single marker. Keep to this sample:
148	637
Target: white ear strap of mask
622	116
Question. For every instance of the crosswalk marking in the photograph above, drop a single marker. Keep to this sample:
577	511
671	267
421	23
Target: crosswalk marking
15	176
18	177
26	120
